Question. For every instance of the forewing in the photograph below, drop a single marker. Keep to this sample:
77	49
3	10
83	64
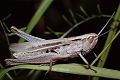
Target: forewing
22	47
35	46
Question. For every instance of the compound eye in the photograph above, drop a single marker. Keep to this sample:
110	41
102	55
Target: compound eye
90	39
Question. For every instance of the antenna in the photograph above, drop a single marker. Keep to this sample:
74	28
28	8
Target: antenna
106	24
105	33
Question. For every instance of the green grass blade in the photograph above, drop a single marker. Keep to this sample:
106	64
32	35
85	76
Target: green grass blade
52	31
36	17
35	75
69	68
7	17
9	76
30	73
73	16
98	7
6	36
80	16
6	27
84	12
66	20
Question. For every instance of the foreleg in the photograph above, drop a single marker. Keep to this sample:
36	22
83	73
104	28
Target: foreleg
86	62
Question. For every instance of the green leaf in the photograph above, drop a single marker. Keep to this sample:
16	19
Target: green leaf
69	68
80	16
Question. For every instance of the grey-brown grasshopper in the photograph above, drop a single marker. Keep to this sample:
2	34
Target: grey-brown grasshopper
41	51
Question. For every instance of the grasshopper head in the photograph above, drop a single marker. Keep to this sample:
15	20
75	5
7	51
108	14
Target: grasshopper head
89	42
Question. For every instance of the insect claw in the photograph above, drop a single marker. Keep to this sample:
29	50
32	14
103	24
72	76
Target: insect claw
92	68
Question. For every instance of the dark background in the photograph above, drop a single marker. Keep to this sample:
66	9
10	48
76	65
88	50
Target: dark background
22	10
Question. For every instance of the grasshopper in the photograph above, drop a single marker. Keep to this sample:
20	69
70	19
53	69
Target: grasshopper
41	51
